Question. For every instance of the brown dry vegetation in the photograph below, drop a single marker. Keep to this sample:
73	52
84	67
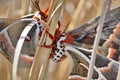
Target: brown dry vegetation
16	8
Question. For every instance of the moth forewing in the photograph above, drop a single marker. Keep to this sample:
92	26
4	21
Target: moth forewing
18	49
86	59
10	35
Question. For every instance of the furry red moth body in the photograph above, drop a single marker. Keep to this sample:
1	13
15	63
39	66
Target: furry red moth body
38	17
58	47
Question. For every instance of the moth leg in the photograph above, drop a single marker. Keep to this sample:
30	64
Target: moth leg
50	35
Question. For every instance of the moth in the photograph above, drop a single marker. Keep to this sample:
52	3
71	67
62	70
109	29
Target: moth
33	25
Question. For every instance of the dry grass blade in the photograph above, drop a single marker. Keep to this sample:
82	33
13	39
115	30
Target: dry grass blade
25	6
40	63
34	72
76	14
51	30
54	12
53	6
97	38
5	68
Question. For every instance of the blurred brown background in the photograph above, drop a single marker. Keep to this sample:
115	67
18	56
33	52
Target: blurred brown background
16	8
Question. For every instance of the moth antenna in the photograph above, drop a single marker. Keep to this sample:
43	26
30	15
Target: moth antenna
47	9
36	4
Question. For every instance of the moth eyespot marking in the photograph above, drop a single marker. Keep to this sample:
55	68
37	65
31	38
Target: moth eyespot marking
28	38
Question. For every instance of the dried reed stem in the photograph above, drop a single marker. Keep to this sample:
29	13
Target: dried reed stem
76	14
97	38
34	72
5	68
51	30
40	64
25	4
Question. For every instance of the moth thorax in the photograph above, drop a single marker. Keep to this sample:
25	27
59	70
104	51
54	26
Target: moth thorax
37	16
62	38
